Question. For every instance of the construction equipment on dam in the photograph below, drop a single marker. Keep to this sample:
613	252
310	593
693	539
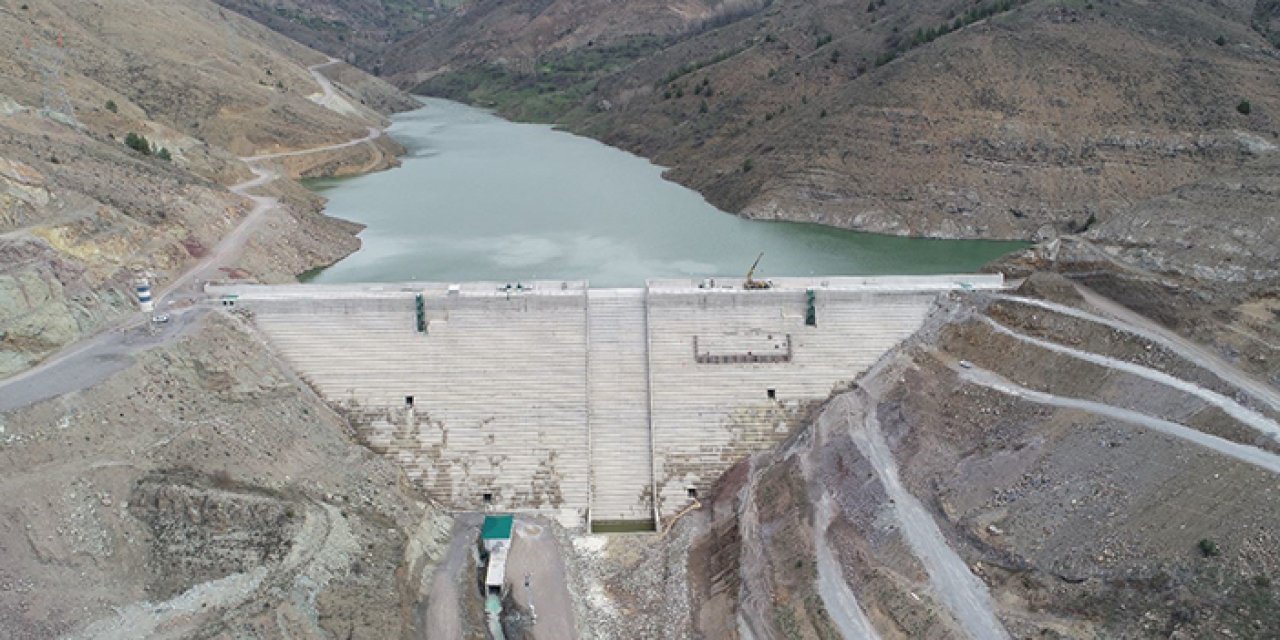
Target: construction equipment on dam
607	408
751	282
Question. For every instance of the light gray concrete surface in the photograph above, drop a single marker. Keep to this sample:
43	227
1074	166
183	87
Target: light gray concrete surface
562	400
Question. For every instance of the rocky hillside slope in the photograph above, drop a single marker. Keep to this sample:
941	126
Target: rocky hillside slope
516	35
192	87
204	492
1147	129
999	118
1018	469
354	30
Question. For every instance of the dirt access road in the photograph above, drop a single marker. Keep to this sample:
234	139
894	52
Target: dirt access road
90	361
1124	319
535	556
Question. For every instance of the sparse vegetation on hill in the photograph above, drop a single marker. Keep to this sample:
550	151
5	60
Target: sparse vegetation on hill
80	206
1134	141
557	84
354	30
1053	106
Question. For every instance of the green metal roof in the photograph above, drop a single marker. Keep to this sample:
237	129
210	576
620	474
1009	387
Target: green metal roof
497	527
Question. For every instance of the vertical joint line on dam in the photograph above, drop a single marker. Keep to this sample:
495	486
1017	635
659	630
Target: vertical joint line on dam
648	413
586	372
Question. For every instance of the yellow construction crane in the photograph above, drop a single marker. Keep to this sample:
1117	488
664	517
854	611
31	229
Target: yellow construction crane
751	282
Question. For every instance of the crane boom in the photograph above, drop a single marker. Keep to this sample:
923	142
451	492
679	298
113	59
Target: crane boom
751	282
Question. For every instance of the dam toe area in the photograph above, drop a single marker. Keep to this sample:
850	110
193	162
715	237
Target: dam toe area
612	407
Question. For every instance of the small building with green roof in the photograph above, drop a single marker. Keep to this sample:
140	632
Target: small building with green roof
495	537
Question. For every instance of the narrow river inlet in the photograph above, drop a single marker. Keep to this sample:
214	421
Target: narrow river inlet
482	198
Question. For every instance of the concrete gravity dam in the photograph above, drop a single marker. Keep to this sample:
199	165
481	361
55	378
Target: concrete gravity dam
594	406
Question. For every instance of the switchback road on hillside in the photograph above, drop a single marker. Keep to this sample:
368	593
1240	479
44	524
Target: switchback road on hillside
92	360
1122	318
1244	453
1245	415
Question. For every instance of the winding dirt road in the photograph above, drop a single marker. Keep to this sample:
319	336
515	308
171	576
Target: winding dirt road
1121	318
1243	453
1246	416
963	593
86	363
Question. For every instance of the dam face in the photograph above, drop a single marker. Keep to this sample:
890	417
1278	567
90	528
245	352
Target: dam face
590	405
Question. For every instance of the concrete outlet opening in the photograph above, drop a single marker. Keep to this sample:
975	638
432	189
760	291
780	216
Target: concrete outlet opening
408	401
772	393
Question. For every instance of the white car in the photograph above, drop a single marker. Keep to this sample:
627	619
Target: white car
160	318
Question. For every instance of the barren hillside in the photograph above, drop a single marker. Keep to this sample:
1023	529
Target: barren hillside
1013	469
193	86
205	493
942	118
354	30
1094	455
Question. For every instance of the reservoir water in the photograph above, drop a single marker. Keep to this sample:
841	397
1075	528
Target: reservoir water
482	198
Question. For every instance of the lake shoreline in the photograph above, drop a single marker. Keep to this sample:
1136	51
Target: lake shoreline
480	197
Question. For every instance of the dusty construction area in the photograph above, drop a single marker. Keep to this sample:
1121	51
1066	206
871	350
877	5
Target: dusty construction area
951	493
1076	523
203	493
1051	466
940	499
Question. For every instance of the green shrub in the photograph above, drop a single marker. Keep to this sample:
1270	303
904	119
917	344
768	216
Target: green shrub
747	165
138	143
1244	107
1209	548
112	107
164	154
1221	41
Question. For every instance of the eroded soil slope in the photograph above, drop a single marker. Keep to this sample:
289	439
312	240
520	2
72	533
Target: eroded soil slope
80	209
204	492
1005	119
1012	469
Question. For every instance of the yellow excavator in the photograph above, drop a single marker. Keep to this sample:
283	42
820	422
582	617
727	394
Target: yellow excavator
751	282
